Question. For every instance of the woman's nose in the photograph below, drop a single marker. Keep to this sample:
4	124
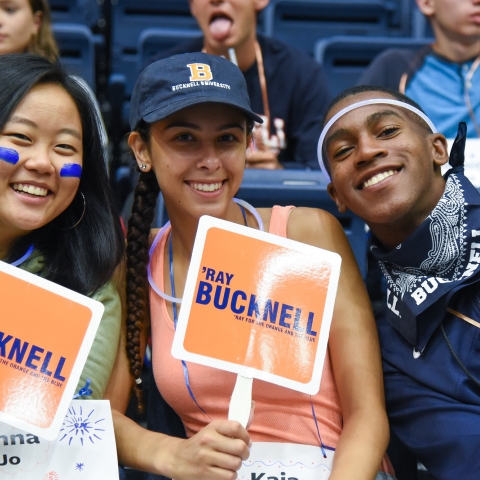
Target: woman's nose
39	160
210	159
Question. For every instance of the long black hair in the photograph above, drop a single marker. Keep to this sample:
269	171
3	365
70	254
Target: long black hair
82	258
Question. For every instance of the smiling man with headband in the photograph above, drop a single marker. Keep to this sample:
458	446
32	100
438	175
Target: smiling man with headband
383	156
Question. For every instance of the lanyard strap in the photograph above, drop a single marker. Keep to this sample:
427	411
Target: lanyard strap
466	86
261	75
175	314
85	391
243	205
175	319
263	81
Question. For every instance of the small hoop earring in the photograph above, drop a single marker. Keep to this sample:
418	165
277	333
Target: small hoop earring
83	213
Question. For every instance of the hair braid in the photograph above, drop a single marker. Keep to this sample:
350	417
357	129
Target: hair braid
139	224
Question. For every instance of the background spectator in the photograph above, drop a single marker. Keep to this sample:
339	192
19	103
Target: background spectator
443	78
285	85
25	27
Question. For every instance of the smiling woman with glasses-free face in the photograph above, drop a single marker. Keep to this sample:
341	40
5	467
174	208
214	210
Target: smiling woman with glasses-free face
46	132
191	121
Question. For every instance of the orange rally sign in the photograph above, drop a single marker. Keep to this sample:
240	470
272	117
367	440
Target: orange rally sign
46	332
258	305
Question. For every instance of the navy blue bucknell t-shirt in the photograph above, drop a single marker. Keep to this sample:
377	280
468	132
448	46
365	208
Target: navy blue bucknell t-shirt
297	94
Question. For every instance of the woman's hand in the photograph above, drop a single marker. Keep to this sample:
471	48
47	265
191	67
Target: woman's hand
214	453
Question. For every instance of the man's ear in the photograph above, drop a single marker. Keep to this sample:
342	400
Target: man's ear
261	4
333	194
37	22
439	149
191	4
141	151
427	7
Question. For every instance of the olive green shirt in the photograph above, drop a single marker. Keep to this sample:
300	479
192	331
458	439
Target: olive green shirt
101	358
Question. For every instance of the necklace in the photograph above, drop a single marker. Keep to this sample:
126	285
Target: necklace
242	204
22	259
161	233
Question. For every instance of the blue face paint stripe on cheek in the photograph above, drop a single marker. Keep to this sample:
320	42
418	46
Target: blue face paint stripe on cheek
71	170
9	155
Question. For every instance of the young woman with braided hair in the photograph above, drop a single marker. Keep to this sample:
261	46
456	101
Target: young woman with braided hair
143	210
191	125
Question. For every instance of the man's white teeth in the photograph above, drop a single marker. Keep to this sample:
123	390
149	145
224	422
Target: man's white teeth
37	191
207	187
378	178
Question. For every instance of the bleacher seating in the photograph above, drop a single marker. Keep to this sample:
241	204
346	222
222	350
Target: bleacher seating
86	12
302	22
154	40
141	29
345	58
302	188
421	27
130	18
77	50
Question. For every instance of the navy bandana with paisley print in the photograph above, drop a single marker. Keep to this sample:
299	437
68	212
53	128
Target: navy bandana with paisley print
441	257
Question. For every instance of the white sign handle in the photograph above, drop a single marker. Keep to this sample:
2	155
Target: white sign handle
241	401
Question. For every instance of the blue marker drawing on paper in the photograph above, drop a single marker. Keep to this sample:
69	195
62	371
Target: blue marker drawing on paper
81	427
71	170
9	155
79	467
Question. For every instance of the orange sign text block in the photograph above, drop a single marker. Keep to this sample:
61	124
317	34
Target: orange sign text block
46	332
258	305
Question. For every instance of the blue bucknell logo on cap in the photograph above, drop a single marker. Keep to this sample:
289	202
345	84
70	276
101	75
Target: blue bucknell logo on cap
200	71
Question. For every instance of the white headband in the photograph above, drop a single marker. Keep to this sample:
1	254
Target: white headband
363	103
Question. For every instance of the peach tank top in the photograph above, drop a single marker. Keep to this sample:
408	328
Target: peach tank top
281	414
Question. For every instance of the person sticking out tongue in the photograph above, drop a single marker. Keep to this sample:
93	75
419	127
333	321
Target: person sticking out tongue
286	87
220	27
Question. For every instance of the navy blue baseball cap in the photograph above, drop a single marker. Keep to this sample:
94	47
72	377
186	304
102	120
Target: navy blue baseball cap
174	83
